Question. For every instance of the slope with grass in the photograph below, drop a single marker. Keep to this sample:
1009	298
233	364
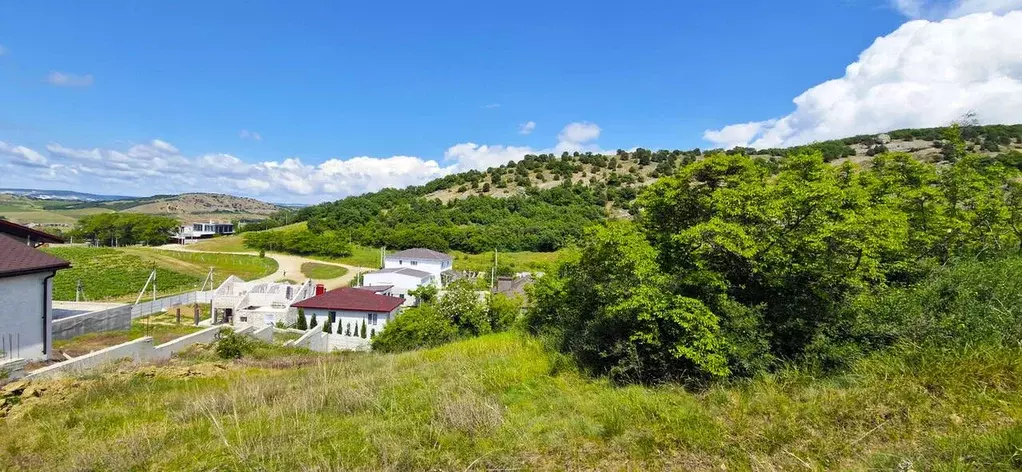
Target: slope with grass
502	402
317	271
120	273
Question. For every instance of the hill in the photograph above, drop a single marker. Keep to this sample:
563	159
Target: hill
62	208
543	202
503	402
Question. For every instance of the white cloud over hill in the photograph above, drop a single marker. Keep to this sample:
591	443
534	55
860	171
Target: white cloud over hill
925	73
159	167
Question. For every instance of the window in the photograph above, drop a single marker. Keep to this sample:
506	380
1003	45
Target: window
402	296
415	263
332	315
400	262
372	318
243	319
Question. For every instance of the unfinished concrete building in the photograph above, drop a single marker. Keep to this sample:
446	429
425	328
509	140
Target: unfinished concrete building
242	304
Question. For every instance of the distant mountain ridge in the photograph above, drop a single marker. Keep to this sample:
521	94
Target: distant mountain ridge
40	194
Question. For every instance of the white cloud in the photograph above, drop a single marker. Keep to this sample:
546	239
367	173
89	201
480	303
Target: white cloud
61	79
940	9
527	128
23	156
491	106
159	167
923	74
579	133
246	134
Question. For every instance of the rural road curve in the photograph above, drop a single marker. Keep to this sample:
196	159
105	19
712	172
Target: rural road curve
288	266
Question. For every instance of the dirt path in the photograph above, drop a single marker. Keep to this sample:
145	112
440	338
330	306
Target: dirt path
288	267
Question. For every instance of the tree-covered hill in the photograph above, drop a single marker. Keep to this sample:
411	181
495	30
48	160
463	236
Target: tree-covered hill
543	202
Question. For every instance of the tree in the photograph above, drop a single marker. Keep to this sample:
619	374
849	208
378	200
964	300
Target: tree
424	294
327	326
347	331
313	323
414	328
302	325
462	305
610	307
363	335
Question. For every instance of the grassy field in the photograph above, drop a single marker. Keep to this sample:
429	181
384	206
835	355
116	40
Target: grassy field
235	243
502	402
161	333
119	273
316	271
518	261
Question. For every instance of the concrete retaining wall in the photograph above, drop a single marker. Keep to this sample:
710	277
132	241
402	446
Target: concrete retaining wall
264	334
113	319
119	318
12	369
141	349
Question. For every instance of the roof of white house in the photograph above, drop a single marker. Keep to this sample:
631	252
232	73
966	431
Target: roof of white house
401	271
420	253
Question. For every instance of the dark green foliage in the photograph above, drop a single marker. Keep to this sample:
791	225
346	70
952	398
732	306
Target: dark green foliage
124	229
363	334
347	330
328	326
779	262
231	345
612	309
313	323
424	293
414	328
300	241
302	323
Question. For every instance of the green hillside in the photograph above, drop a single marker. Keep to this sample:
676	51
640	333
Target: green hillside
502	402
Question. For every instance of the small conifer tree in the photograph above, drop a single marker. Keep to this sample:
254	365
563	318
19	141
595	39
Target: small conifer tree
328	327
372	333
302	323
313	323
347	332
363	329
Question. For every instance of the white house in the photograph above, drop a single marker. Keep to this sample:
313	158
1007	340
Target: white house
425	260
243	304
399	280
352	307
26	287
193	232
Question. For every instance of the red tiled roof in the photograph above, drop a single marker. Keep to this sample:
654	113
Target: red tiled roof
17	258
351	299
20	231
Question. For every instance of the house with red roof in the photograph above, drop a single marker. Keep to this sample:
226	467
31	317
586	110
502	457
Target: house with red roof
352	307
26	286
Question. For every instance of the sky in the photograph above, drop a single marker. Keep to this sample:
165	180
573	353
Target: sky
309	101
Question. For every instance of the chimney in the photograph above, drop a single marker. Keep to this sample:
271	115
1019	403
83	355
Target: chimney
320	289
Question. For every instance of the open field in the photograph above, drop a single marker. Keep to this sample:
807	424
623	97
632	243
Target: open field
502	402
119	273
90	342
235	243
316	271
517	261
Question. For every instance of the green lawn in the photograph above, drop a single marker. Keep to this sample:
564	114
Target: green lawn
317	271
502	402
119	273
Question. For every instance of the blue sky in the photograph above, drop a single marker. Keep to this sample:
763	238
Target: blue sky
262	98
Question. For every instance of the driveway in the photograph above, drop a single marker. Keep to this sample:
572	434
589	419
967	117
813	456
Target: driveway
288	267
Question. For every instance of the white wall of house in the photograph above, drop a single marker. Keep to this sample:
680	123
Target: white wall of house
402	283
21	315
373	320
425	265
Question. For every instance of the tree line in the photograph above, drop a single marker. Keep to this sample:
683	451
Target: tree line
733	268
123	229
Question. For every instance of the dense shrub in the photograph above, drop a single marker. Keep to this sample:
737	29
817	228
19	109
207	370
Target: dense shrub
231	345
124	229
418	327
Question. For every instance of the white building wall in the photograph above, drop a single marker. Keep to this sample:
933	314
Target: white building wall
353	317
402	283
433	267
21	315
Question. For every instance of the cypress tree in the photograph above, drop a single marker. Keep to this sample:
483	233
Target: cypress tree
372	333
313	323
347	332
363	329
327	327
302	324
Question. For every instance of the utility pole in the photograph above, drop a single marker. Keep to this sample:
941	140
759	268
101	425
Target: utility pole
79	291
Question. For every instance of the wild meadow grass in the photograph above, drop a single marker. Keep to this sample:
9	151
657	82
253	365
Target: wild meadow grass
503	402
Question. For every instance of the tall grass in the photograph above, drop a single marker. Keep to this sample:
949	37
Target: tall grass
503	402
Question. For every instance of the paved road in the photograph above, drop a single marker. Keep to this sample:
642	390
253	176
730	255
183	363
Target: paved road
288	266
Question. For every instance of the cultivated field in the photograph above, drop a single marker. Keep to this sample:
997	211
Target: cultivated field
119	273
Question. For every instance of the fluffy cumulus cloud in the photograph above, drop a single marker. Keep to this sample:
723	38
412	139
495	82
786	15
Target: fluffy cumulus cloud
923	74
527	128
160	167
939	9
61	79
